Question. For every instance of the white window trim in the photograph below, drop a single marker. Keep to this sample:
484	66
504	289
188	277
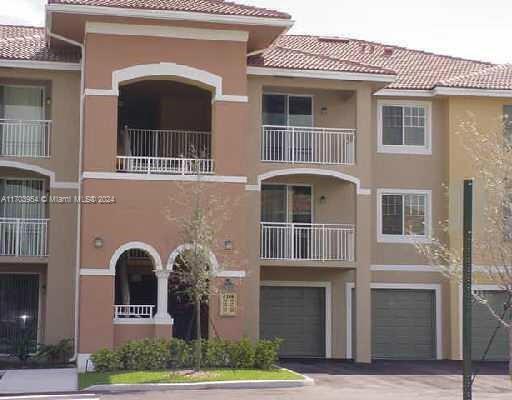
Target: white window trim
328	303
405	149
436	288
382	238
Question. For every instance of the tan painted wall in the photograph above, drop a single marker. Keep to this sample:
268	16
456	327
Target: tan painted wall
63	93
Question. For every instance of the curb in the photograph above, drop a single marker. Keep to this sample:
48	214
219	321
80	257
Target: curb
263	384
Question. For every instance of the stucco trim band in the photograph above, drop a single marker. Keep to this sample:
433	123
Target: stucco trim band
54	184
314	74
159	177
51	65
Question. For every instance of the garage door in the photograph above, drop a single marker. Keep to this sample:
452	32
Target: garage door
484	325
296	315
403	324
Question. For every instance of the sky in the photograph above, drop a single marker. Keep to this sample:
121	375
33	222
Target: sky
473	29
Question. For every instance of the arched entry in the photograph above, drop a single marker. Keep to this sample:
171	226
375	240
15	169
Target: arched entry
180	305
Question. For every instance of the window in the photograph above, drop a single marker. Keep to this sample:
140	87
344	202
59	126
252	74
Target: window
507	124
404	128
285	110
286	203
404	215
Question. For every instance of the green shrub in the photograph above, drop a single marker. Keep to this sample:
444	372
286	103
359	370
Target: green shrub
266	353
180	353
106	360
241	354
56	353
145	354
216	353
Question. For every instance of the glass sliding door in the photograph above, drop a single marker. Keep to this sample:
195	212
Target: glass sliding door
274	213
22	112
301	215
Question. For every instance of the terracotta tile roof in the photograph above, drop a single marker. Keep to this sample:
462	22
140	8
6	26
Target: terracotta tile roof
498	77
279	57
204	6
415	69
29	43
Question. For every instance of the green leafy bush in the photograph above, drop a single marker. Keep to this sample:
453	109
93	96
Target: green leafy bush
105	360
57	353
241	354
179	353
266	353
154	354
145	354
216	353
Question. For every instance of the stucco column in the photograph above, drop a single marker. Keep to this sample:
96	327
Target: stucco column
162	315
364	238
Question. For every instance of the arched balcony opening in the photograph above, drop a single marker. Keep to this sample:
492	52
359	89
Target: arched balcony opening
135	286
164	128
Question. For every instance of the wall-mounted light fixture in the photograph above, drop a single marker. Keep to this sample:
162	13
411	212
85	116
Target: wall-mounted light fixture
323	199
323	110
228	245
98	242
228	285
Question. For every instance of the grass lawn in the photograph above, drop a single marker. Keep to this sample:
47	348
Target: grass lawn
214	375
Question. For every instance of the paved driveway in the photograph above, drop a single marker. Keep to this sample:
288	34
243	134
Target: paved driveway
383	380
38	381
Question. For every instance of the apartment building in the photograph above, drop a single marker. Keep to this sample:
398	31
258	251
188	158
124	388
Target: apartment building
332	147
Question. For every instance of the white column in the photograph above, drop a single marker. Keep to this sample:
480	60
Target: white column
162	315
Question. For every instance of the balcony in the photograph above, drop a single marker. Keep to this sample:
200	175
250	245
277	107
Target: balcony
293	144
25	138
313	242
129	311
23	237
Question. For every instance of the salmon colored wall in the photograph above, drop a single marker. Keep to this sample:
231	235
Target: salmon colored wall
96	313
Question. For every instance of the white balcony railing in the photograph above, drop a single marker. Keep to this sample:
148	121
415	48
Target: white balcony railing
133	311
21	237
160	165
168	143
293	144
20	138
317	242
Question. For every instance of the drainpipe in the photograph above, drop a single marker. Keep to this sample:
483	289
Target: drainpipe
79	208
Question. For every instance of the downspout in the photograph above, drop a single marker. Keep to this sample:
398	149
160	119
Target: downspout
79	207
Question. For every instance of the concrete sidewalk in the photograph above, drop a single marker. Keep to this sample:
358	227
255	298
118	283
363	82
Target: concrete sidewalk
38	381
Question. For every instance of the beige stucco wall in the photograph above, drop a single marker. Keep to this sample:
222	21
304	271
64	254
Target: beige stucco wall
63	96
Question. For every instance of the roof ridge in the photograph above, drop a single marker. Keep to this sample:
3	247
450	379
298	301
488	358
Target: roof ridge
394	46
325	57
474	74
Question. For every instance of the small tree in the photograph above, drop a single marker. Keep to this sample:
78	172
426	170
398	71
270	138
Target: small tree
204	213
490	157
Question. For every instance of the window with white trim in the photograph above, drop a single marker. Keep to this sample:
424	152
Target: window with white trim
404	128
403	216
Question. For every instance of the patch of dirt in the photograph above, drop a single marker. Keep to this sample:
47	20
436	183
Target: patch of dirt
189	373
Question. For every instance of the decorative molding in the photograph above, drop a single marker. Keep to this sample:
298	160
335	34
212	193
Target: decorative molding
150	250
436	288
96	272
364	192
231	274
133	321
311	171
445	91
54	184
403	93
166	31
232	98
49	65
328	305
161	177
101	92
169	15
315	74
187	246
253	188
405	268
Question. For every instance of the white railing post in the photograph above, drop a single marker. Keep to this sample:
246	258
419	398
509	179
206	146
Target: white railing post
18	235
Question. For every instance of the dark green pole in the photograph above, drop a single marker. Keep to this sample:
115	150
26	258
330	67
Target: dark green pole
467	296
